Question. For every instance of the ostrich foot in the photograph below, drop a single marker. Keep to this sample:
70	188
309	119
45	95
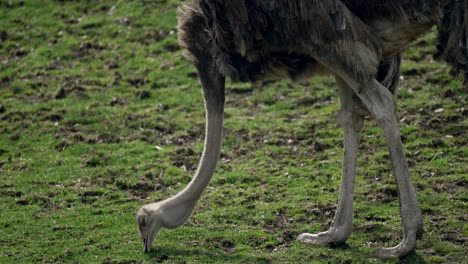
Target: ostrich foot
338	235
405	247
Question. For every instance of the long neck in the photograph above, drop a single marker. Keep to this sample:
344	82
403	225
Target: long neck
209	159
179	207
213	93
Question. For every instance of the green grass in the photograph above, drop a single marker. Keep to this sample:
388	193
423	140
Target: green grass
97	106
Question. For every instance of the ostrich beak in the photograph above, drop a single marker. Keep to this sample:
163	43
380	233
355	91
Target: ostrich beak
147	245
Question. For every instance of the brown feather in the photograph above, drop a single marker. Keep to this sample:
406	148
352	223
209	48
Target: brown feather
255	39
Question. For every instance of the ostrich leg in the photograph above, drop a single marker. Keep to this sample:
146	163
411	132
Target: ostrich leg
380	102
175	211
352	124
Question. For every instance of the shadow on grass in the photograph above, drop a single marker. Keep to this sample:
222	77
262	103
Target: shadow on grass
342	246
161	254
165	253
412	258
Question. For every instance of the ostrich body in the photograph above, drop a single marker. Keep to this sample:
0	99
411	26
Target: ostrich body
359	42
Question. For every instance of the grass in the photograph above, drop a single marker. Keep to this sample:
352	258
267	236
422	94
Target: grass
100	114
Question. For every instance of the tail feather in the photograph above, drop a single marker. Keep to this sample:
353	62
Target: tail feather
453	37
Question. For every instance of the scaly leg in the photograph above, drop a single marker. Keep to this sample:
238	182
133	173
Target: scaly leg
352	123
380	102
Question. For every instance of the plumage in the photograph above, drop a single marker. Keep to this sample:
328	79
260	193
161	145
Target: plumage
251	39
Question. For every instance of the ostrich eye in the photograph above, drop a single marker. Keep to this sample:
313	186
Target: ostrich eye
143	224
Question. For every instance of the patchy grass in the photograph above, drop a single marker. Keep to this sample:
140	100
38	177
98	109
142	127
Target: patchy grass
99	114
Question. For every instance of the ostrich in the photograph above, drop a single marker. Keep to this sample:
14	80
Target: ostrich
359	42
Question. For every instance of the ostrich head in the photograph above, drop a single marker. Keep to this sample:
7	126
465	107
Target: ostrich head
169	213
149	224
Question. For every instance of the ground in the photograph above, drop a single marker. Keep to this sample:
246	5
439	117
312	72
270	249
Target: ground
100	114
